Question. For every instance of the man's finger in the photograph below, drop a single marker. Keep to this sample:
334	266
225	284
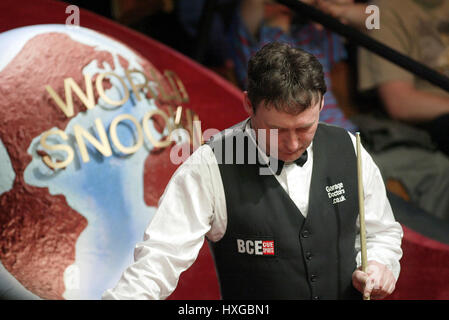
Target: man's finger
358	279
391	287
369	285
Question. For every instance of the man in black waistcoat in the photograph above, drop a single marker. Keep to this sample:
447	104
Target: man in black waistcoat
277	197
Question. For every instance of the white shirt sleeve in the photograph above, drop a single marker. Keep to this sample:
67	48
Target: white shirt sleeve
176	233
383	232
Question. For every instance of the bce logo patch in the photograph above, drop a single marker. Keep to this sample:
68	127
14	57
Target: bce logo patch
256	247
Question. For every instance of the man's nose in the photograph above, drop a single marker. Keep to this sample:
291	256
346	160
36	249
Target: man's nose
292	142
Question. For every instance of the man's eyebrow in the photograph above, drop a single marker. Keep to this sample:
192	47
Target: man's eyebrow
308	125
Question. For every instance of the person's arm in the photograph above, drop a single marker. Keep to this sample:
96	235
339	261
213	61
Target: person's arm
252	14
175	235
255	12
395	85
384	235
346	11
404	102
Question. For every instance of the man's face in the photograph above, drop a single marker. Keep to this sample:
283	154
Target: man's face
295	132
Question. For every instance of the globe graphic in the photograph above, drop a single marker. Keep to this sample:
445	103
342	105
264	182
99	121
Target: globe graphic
68	231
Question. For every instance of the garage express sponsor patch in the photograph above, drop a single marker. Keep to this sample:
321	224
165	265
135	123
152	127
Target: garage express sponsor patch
256	247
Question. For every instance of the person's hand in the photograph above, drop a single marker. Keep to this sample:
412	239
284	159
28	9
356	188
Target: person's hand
377	283
346	11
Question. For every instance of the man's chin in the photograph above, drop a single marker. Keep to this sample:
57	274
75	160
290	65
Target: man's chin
289	157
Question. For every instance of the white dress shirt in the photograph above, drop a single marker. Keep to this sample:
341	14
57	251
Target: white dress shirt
193	206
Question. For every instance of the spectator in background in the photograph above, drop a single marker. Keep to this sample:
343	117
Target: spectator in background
419	29
399	145
178	24
258	22
422	173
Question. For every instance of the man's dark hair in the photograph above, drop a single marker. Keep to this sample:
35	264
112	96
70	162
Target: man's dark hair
287	78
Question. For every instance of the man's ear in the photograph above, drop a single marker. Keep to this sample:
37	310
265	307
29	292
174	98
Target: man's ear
247	104
322	103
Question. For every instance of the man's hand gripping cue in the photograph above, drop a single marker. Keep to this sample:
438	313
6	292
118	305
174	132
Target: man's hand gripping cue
377	283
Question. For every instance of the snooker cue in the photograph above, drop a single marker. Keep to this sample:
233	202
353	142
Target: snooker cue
361	207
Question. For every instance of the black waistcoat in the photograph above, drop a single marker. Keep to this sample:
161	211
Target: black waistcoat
269	250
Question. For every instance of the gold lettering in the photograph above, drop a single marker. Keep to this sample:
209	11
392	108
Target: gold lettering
69	85
148	116
178	116
100	89
177	86
197	133
171	114
136	87
66	148
159	84
114	137
102	145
